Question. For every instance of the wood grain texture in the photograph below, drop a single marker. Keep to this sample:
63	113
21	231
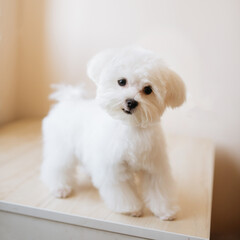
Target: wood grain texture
192	162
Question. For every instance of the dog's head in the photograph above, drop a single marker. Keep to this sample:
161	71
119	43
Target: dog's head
134	85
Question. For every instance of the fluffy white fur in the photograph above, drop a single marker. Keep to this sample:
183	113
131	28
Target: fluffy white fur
112	145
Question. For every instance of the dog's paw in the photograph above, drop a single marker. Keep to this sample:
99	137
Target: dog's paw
62	192
169	214
138	213
168	217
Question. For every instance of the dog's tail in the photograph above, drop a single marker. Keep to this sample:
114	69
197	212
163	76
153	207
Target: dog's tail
63	92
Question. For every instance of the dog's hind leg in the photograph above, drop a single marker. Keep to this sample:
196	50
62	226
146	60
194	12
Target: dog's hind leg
58	169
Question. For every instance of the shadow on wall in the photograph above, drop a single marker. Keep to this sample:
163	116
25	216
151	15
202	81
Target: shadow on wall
33	86
226	198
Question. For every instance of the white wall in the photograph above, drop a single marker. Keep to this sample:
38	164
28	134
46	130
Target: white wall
199	39
8	59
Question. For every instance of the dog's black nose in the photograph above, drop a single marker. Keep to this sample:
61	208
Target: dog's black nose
131	103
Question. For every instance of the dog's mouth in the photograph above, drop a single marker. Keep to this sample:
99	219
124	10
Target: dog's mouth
126	111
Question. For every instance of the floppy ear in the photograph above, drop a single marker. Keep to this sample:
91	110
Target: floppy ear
176	92
97	64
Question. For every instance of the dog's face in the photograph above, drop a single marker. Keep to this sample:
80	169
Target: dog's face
133	85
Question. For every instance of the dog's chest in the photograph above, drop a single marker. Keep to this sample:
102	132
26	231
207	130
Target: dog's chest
139	147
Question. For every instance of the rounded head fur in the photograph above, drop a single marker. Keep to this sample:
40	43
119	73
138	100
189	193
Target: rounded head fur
134	85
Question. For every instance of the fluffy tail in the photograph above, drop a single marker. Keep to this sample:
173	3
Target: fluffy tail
67	92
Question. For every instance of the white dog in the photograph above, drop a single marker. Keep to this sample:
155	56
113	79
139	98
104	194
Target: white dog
116	136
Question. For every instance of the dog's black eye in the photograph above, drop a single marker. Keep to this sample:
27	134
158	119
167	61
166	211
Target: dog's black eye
147	90
122	82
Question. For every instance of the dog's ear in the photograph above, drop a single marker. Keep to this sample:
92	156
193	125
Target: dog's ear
97	64
175	88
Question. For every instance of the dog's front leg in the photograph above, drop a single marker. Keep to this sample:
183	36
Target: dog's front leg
159	192
121	195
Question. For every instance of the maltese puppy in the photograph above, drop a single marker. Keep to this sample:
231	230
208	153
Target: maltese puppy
117	136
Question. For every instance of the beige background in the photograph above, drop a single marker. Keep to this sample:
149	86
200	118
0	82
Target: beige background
43	42
9	47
